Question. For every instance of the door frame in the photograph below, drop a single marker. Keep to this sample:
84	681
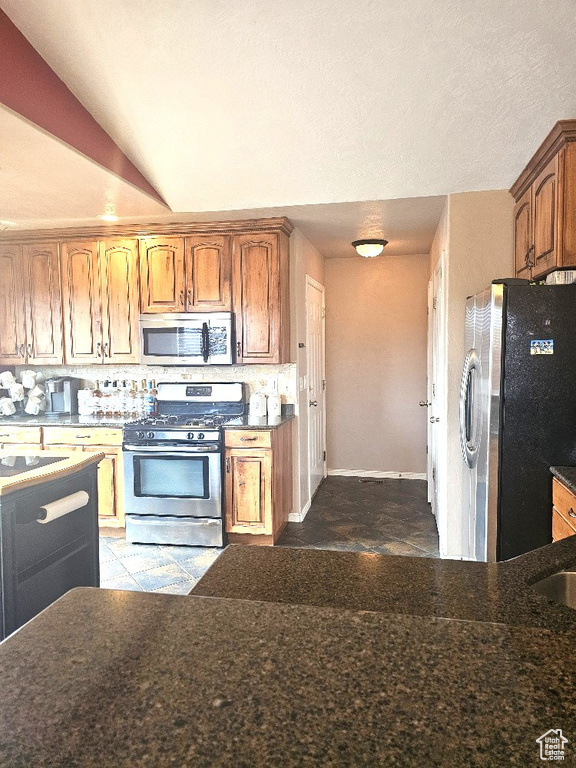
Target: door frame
315	284
437	445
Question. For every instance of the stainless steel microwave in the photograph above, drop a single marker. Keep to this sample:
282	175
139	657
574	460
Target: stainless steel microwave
191	338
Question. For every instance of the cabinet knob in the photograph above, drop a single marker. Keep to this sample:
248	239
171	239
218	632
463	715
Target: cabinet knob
238	349
99	349
29	350
21	350
571	512
424	403
313	403
189	298
182	298
248	439
227	465
105	350
434	419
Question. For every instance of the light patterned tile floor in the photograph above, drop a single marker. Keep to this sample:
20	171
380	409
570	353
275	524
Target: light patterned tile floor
151	567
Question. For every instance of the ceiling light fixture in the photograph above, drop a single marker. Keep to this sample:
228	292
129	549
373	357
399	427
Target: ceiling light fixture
109	213
369	247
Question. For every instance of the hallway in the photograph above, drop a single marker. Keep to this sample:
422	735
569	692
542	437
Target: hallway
354	514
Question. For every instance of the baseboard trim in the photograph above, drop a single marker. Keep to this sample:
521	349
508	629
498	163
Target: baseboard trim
298	517
370	473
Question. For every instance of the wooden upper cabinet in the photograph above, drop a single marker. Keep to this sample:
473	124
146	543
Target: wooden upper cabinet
545	213
523	235
208	273
119	300
81	300
100	295
162	287
260	289
12	328
43	304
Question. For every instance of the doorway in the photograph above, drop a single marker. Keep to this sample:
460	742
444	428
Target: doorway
437	411
315	366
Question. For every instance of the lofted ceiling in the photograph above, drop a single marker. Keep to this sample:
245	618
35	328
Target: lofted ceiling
308	109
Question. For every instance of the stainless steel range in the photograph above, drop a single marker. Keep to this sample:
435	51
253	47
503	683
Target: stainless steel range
173	465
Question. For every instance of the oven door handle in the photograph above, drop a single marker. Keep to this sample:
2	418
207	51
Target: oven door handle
161	451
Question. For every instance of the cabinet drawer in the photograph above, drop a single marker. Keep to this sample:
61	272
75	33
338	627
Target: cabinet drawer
561	528
247	438
564	500
86	435
20	435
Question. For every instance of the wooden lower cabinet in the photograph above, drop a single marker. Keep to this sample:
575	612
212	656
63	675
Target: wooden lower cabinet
258	489
563	511
110	470
110	486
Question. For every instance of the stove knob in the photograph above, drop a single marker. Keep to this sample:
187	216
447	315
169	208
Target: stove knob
150	434
200	435
190	435
140	435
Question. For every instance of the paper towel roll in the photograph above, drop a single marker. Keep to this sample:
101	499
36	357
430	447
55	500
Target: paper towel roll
62	506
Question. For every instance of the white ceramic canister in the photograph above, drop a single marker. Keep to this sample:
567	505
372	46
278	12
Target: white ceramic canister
258	404
274	405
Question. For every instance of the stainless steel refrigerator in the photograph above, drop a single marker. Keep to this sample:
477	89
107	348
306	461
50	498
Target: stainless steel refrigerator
517	414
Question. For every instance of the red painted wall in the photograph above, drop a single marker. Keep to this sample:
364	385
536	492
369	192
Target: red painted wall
29	87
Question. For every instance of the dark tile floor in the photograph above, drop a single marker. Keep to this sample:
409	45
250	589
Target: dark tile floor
355	514
387	516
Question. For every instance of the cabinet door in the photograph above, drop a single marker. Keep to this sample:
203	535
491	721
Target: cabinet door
12	333
523	251
119	292
43	304
544	211
208	268
162	274
249	491
81	300
256	281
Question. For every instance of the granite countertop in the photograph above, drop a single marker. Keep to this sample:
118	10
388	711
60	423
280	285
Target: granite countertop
566	475
244	422
260	422
42	420
68	463
453	589
123	679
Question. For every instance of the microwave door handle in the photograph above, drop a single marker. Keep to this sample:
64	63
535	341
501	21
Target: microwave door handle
205	342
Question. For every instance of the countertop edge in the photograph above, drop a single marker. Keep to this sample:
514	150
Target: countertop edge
76	461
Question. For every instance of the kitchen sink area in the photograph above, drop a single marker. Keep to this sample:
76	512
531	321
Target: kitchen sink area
560	587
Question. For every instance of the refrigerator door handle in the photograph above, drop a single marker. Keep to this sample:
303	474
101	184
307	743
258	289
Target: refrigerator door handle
470	408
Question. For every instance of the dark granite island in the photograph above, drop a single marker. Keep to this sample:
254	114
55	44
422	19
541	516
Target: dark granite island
121	679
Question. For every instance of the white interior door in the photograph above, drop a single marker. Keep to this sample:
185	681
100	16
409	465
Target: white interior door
316	383
437	395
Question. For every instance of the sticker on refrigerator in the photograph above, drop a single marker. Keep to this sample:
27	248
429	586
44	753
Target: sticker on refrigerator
542	347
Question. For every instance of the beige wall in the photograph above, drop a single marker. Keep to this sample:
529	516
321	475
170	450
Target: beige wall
304	260
376	324
479	248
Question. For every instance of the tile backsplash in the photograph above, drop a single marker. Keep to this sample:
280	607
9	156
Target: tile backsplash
255	376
